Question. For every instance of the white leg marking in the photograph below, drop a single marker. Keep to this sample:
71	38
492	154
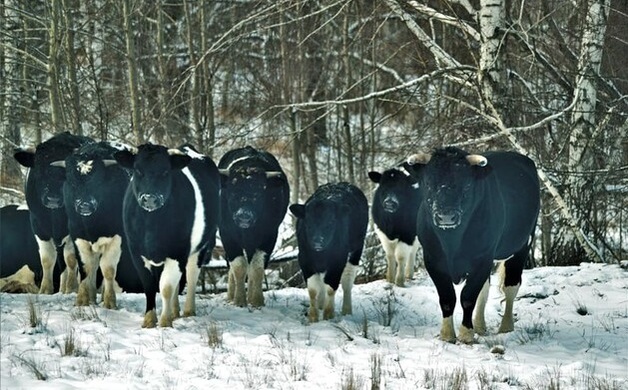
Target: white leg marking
330	303
191	274
239	267
447	332
169	287
87	289
412	259
466	335
316	291
256	279
479	323
389	250
230	284
69	255
508	322
48	258
346	280
110	249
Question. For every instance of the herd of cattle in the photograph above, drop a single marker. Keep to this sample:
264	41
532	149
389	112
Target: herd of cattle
147	217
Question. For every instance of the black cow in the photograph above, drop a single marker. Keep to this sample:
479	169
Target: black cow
331	227
170	218
18	246
44	197
253	202
475	209
394	210
93	193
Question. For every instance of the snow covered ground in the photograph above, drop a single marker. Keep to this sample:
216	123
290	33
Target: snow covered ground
571	333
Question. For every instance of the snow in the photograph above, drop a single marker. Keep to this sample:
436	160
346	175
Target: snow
392	336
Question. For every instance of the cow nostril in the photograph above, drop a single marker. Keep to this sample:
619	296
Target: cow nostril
150	202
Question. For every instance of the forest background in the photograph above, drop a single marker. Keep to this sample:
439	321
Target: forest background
335	88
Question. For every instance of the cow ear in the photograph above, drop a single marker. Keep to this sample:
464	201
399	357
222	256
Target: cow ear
125	158
375	176
298	210
179	161
25	157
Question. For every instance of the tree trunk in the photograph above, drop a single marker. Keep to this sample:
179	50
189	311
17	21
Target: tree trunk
54	89
74	116
136	116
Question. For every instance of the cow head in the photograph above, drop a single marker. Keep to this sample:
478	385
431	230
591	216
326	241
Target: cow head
393	186
245	191
46	179
322	219
86	172
448	177
152	167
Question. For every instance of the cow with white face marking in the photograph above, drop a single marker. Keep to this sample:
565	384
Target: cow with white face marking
254	201
93	193
44	197
475	209
331	227
170	216
394	210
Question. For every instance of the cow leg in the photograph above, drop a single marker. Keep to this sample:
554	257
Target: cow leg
71	278
479	323
239	268
468	298
87	288
230	284
111	249
411	259
446	299
48	257
346	280
405	262
389	250
316	291
191	275
255	294
169	287
510	272
330	303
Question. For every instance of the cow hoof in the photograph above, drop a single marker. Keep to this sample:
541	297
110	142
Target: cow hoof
150	319
165	322
189	313
110	304
46	289
505	329
400	283
328	315
466	335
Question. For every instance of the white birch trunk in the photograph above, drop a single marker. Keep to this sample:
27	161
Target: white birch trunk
492	17
585	92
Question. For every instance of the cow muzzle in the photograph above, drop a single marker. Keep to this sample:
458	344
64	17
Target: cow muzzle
244	218
447	219
85	207
150	202
52	201
318	243
390	204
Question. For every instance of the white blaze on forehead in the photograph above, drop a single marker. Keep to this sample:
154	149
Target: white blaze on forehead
85	167
198	227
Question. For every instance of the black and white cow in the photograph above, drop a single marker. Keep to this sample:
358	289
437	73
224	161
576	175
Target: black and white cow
331	227
18	246
475	209
93	194
254	200
395	205
170	220
44	198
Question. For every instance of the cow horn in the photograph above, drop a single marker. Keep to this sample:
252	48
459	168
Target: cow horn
224	172
476	159
59	164
271	174
419	158
109	163
176	152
